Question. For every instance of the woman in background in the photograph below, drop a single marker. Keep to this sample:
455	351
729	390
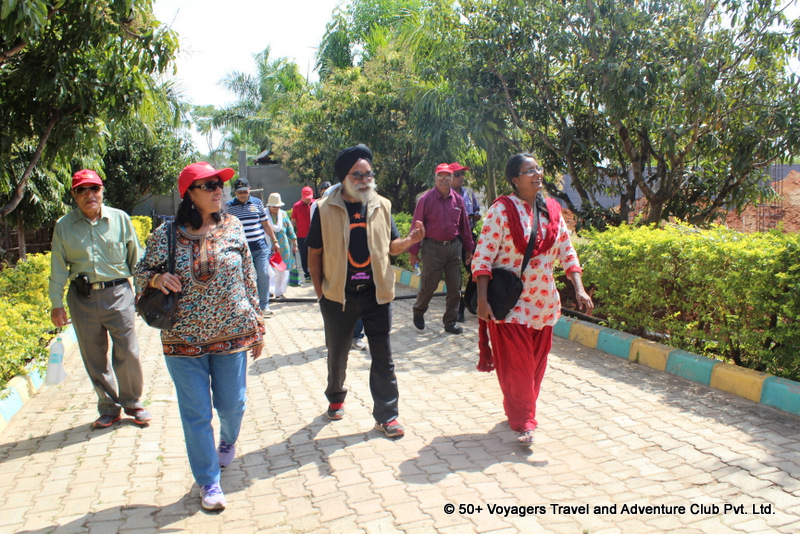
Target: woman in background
287	241
517	346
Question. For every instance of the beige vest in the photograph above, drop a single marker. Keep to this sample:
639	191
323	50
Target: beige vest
336	239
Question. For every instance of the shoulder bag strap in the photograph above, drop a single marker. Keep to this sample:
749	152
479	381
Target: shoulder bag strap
173	235
532	240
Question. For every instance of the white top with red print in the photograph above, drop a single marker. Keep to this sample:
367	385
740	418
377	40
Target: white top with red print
540	304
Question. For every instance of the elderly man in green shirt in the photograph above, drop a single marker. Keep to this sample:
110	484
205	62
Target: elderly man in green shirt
95	248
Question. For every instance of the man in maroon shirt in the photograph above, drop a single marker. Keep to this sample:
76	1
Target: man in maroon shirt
301	217
447	234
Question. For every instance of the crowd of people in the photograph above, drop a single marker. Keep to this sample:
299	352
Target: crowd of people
230	258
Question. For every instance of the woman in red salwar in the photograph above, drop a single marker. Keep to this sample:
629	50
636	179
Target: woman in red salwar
517	346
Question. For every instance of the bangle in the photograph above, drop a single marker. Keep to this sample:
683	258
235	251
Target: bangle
153	280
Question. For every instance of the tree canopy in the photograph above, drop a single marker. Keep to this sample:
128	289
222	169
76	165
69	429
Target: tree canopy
67	69
679	105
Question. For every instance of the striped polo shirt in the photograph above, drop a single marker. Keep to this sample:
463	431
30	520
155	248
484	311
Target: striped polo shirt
251	214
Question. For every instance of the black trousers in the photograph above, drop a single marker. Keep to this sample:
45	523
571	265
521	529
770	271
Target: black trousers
339	326
303	248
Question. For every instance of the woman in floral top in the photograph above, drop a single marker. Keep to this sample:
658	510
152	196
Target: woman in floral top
517	346
218	320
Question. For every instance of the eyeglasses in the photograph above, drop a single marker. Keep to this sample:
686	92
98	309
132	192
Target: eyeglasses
444	177
361	175
81	190
458	174
208	186
532	172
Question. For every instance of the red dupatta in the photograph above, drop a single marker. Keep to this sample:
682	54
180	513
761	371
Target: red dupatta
486	361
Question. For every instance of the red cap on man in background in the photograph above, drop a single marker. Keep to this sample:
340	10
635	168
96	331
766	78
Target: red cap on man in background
444	168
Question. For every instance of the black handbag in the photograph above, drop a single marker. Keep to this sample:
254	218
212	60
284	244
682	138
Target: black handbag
157	309
505	287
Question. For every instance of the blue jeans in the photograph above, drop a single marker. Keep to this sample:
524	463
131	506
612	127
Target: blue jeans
358	333
261	263
221	378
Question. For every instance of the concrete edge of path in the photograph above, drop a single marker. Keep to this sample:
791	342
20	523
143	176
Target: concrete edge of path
21	388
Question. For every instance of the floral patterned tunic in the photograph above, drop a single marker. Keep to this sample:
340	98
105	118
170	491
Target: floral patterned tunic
540	304
218	311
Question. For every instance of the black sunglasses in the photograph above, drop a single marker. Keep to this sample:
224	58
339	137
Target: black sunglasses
208	186
81	190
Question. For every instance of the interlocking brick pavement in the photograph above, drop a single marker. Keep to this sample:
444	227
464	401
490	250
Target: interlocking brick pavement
613	436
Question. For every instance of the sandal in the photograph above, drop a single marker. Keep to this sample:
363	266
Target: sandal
526	438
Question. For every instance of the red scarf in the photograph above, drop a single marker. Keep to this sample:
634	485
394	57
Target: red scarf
486	361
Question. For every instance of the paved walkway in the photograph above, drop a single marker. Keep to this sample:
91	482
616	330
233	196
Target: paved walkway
621	448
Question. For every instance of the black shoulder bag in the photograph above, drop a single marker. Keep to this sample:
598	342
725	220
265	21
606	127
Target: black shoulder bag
505	287
157	309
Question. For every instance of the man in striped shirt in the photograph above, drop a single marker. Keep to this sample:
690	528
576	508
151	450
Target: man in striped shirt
250	211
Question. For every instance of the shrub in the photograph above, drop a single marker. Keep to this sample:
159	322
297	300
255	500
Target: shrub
25	326
143	226
403	222
716	292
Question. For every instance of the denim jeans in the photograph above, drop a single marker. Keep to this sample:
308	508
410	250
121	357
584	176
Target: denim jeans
217	378
261	263
339	327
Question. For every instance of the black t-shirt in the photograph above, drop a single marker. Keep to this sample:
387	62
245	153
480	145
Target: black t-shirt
359	262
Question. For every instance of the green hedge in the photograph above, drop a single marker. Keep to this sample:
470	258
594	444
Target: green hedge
716	292
25	326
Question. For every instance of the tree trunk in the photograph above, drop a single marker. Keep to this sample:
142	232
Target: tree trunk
21	236
491	184
19	191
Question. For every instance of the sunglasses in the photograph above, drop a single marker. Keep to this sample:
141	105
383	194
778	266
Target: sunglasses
81	190
208	186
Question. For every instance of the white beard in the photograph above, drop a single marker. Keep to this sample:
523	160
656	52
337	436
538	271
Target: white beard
364	194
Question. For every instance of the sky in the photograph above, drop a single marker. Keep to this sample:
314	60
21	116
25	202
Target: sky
220	37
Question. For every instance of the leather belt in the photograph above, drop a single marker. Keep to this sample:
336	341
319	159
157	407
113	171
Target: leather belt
448	242
359	288
103	285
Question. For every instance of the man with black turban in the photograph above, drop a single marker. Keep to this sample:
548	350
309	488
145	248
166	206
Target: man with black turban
351	237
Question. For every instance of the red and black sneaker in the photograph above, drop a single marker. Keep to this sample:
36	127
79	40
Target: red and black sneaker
335	411
105	421
392	429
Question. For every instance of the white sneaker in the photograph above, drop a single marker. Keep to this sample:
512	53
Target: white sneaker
267	313
359	344
211	497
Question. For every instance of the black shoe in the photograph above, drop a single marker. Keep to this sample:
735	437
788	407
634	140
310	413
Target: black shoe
460	318
419	321
453	329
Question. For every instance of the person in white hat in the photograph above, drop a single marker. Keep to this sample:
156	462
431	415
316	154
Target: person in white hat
287	242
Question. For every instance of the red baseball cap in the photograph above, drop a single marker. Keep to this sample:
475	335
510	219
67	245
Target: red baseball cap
307	192
456	167
85	176
444	168
198	171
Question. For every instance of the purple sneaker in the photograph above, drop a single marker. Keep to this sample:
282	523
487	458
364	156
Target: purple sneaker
225	453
